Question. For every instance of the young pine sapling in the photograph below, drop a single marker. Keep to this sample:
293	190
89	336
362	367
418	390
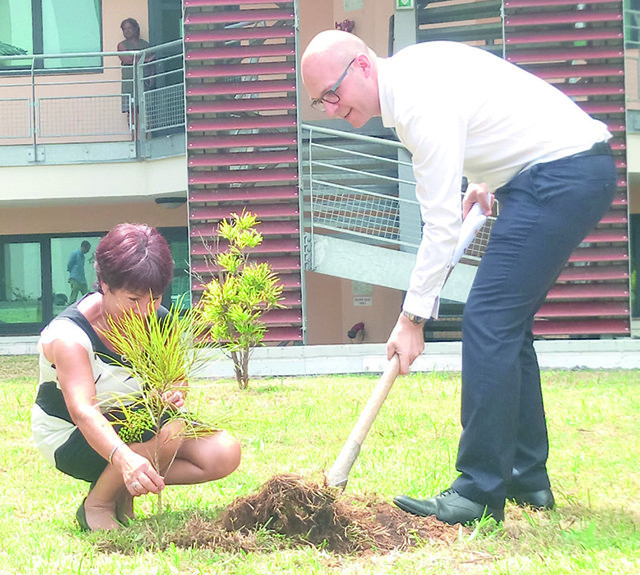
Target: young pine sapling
160	353
240	293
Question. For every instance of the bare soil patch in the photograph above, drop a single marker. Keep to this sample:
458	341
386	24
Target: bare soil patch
19	367
301	513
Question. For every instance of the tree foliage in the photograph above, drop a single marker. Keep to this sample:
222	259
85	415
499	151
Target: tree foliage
241	292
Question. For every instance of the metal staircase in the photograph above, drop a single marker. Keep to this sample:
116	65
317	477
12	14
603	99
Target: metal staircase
363	221
242	142
578	47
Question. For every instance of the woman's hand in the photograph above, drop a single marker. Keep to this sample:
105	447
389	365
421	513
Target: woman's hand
174	397
477	194
138	474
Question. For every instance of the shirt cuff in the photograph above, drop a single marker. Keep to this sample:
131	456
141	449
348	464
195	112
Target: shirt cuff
425	307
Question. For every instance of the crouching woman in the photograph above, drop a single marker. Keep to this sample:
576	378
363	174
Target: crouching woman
82	384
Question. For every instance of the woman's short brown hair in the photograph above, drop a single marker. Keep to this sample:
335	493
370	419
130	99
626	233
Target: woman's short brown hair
134	257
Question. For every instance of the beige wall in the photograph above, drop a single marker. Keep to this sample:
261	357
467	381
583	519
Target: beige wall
330	301
117	181
94	217
331	311
114	12
371	21
371	24
314	16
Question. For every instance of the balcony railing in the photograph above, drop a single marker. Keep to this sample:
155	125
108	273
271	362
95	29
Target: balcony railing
362	189
352	186
91	98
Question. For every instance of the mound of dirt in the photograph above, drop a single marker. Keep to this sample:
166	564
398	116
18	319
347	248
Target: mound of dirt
304	514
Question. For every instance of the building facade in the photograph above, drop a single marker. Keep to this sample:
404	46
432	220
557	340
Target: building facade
211	120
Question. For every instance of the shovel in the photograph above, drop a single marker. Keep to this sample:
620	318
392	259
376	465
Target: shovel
339	473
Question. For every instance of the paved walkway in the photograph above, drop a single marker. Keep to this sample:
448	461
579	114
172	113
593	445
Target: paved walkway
362	358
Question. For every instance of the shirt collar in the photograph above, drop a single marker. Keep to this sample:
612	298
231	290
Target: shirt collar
385	92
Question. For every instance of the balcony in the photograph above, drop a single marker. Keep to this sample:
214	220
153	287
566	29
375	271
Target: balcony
88	108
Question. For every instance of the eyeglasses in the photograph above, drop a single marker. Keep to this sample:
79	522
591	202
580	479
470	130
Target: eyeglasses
330	96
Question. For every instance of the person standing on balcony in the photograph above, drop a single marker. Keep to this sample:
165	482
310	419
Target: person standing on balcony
132	41
460	110
75	267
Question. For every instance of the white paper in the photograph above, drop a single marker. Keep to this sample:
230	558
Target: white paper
470	225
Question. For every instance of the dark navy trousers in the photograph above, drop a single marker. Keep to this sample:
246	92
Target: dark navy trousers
545	212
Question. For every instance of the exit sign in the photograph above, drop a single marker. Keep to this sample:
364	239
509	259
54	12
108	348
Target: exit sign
404	4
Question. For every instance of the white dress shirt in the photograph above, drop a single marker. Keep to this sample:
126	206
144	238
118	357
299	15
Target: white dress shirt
460	110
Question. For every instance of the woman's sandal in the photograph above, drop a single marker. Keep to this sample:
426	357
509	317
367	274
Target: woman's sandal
81	517
81	514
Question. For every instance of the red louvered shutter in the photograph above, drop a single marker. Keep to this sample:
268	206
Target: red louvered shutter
579	48
242	142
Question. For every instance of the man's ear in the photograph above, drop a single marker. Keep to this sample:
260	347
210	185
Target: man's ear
364	63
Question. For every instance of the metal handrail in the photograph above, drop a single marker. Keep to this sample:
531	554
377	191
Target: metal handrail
380	209
173	43
38	108
351	136
390	219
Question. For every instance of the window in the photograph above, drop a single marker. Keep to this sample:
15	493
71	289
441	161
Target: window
34	276
51	27
15	27
63	252
180	289
20	284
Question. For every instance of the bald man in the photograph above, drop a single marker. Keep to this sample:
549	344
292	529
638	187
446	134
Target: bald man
462	111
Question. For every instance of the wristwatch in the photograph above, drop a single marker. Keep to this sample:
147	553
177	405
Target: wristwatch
413	317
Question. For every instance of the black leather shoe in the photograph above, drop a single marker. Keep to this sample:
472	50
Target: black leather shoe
449	507
542	499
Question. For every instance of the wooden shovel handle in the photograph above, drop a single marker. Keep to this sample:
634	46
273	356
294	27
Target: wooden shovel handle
340	471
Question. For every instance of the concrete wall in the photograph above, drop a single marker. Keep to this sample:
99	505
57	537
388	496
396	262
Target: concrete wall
105	181
81	218
334	305
90	197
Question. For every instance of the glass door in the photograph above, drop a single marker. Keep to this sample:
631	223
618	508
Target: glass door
20	285
72	271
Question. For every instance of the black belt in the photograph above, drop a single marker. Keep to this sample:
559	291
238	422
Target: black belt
598	149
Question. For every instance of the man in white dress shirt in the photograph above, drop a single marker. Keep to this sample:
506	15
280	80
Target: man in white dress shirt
462	111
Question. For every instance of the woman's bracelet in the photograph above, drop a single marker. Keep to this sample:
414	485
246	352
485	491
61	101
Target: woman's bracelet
113	451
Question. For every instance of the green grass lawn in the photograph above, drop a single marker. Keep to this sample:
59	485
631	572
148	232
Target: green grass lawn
299	425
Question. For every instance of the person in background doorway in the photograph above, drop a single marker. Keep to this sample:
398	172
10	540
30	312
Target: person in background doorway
75	267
